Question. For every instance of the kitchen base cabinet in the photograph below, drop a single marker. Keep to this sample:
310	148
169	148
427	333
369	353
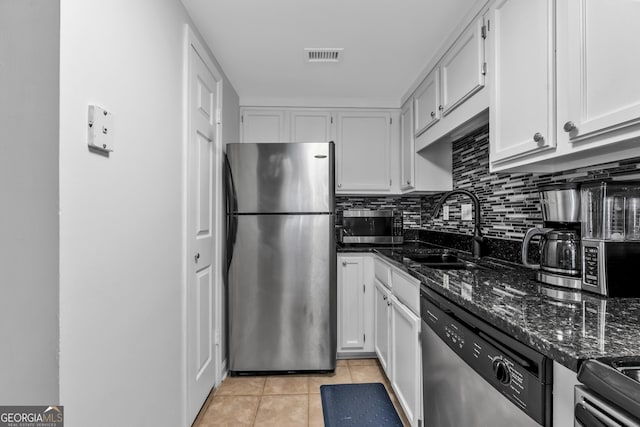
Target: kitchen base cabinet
406	359
382	323
355	305
397	335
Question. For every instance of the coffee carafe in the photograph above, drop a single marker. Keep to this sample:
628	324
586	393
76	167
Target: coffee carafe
560	246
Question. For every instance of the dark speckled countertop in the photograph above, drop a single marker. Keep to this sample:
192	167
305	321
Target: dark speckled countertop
567	330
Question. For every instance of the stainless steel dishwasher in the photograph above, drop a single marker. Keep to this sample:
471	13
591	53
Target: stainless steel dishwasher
474	375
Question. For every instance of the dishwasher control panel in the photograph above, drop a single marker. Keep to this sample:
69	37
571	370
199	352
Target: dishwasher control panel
504	369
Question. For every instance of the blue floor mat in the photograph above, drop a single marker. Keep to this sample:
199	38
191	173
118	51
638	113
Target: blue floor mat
361	405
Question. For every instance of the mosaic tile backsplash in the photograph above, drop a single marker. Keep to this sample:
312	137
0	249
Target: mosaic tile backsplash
509	202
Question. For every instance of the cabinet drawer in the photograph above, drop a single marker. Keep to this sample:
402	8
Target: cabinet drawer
382	272
407	290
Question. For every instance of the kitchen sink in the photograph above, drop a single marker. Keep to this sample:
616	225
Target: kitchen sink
443	261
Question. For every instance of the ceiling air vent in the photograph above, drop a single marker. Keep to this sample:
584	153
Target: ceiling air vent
323	54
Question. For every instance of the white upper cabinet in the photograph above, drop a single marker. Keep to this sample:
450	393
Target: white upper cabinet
556	100
426	102
363	151
520	57
311	126
260	125
407	148
462	68
599	56
451	101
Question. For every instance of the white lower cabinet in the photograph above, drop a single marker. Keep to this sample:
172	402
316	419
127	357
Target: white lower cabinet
397	341
355	305
382	323
406	358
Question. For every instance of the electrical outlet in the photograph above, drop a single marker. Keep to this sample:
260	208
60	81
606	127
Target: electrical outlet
100	129
445	212
466	211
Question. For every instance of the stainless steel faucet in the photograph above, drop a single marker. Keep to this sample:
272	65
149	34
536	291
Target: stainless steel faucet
478	239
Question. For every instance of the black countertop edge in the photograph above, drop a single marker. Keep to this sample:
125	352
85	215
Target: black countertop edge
506	295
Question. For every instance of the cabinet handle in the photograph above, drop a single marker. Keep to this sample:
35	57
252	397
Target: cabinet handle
384	297
440	107
408	182
197	257
339	185
433	114
344	263
538	137
569	126
388	302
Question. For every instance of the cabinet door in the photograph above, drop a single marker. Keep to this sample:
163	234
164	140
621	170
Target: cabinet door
521	66
263	126
602	89
381	324
351	334
311	126
363	151
426	102
406	359
407	148
461	69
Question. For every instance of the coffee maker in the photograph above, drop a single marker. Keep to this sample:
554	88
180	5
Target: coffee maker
611	238
559	247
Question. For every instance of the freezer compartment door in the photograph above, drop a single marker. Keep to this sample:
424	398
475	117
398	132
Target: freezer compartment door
282	294
282	178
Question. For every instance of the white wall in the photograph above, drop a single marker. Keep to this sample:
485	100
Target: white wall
29	47
121	242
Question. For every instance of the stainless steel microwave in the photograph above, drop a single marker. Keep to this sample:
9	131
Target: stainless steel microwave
371	226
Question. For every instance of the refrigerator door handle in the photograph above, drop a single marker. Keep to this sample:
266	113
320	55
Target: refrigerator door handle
232	207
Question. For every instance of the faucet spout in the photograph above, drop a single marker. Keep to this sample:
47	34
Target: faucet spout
478	239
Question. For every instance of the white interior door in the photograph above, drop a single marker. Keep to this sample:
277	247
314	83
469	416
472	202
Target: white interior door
203	266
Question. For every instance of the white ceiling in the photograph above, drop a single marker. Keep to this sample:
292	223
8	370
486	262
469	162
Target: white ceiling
387	45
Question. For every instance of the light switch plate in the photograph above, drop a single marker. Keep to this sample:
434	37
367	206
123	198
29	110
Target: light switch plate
445	212
100	129
466	211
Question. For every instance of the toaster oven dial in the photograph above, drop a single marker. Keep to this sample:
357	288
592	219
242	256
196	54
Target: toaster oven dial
501	369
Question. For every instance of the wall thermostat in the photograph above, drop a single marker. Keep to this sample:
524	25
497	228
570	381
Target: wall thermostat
100	129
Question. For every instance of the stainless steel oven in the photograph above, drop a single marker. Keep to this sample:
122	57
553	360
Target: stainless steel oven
371	226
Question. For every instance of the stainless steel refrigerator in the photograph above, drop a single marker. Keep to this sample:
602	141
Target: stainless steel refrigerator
281	257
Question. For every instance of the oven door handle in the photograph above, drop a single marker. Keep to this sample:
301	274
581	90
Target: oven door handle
586	418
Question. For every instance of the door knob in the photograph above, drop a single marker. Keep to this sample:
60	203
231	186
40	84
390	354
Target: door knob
569	126
197	257
440	107
433	114
344	263
538	137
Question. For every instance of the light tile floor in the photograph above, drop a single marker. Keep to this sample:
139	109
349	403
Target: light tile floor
285	400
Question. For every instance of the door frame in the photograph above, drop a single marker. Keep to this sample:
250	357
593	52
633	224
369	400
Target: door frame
191	41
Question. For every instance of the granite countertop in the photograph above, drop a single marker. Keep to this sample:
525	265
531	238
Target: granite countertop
506	295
